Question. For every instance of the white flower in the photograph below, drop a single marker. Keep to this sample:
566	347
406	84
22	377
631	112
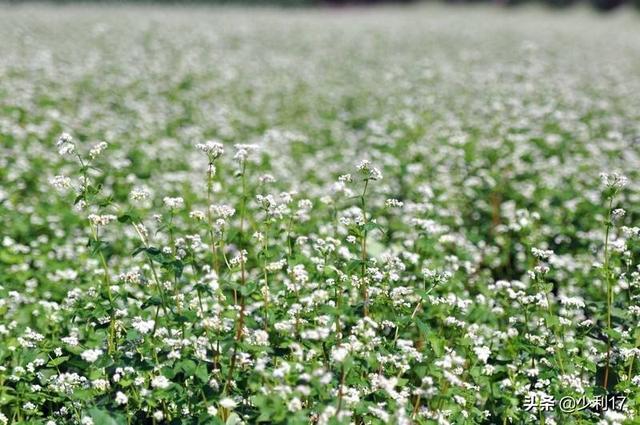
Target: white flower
141	325
613	417
460	400
338	354
483	353
100	384
294	405
91	355
370	172
60	182
71	340
160	382
212	148
86	420
121	398
173	203
614	180
223	211
393	203
240	258
197	215
276	265
618	213
65	144
542	254
140	194
631	232
228	403
571	302
97	149
266	178
101	220
243	151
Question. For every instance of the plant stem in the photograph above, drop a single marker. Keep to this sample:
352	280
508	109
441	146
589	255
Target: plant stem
340	389
609	292
265	249
161	294
363	284
240	321
107	288
214	253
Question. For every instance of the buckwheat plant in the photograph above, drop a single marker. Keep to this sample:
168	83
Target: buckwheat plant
294	217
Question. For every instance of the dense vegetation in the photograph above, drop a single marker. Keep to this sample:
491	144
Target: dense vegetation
417	215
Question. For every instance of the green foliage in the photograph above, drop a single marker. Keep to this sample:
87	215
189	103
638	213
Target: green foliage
294	218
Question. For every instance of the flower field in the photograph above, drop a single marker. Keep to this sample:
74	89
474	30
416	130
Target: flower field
407	215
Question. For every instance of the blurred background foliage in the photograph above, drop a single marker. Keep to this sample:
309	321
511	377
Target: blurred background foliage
600	5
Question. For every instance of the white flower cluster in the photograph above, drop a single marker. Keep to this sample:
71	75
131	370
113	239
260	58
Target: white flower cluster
613	180
369	171
173	203
101	220
213	148
65	144
98	149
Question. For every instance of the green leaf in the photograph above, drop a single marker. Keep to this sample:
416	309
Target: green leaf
176	266
186	317
248	289
94	190
202	373
153	300
102	417
105	202
138	250
547	287
58	361
128	218
373	226
153	251
203	288
99	246
132	335
187	366
612	333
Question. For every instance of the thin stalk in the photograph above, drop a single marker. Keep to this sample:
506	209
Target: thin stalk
107	288
363	248
265	248
214	252
240	321
556	333
341	389
609	292
103	261
155	278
